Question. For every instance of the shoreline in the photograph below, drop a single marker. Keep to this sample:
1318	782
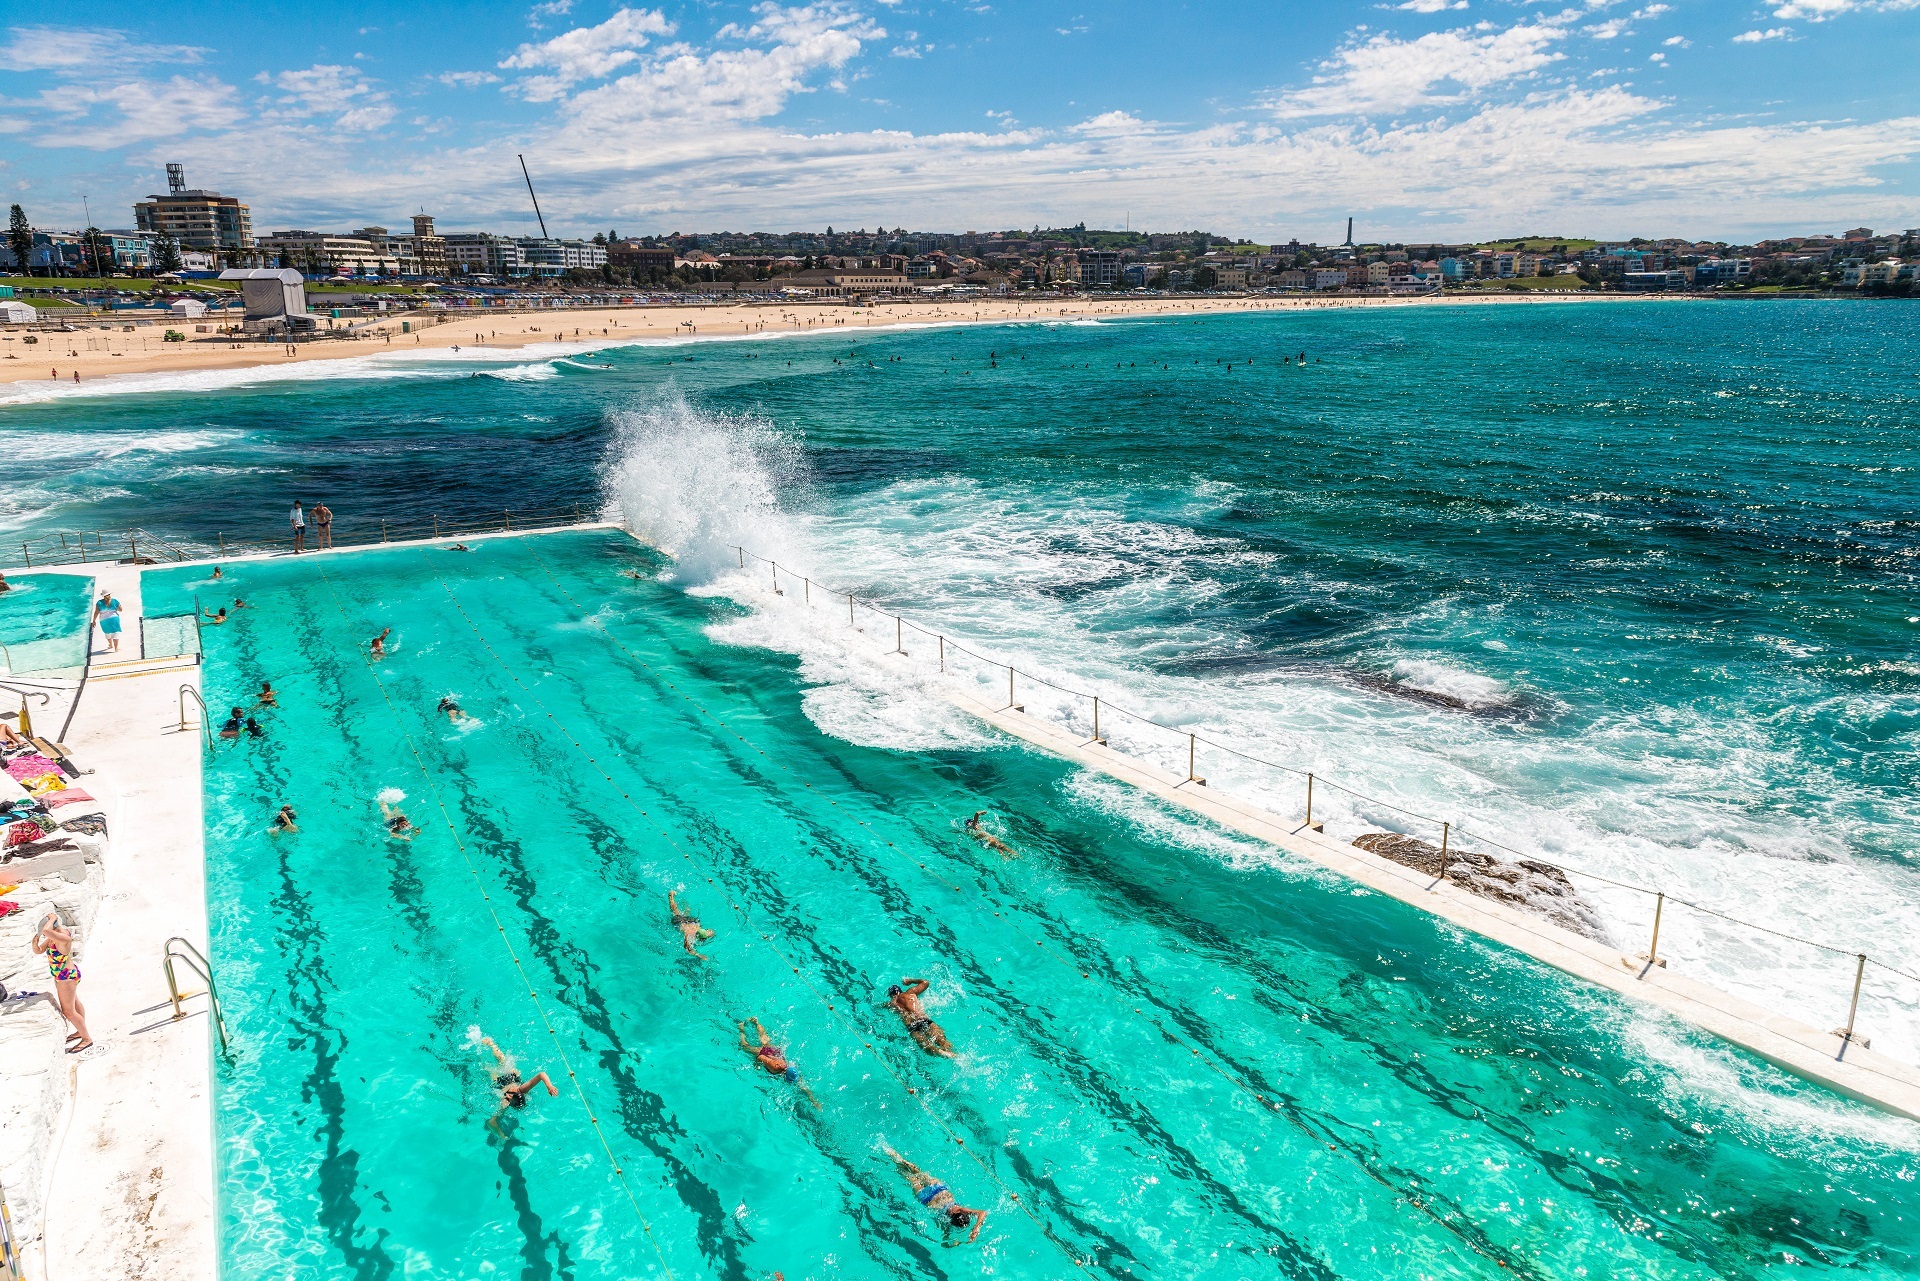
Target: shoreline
107	354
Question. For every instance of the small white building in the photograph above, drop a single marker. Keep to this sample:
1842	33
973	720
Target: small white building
275	296
187	308
16	313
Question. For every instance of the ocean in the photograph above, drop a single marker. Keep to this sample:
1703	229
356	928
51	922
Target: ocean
1630	588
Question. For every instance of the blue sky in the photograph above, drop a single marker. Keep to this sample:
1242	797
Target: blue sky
1428	118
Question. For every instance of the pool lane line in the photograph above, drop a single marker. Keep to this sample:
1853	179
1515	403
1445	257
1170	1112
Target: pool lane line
501	929
746	920
1474	1240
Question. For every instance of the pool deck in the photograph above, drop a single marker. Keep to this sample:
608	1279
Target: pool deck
129	1188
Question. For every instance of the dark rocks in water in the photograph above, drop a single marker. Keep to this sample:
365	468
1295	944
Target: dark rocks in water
1534	887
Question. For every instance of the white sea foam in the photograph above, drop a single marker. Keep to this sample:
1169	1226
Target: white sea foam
391	796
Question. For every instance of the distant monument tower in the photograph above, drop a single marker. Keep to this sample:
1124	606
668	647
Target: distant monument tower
1349	233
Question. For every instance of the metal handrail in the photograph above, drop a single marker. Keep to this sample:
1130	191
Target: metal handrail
206	717
12	1267
198	962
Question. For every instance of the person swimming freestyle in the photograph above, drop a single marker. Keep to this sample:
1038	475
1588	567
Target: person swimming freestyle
691	931
934	1194
927	1034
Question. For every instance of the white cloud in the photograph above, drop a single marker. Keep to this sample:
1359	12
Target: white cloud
1822	10
904	51
1657	57
467	79
586	53
1431	6
1755	37
78	50
789	46
142	110
1679	41
324	89
551	9
1386	74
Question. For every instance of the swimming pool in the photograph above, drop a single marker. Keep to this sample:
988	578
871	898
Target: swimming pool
1176	1059
45	623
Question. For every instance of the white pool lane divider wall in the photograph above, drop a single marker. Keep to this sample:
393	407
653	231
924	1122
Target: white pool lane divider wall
1847	1068
129	1174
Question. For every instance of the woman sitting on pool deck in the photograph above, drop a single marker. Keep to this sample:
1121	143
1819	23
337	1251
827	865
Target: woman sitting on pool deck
933	1194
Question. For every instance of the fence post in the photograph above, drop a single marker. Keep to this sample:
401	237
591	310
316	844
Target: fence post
576	513
943	655
223	542
1446	831
1853	1007
133	546
1096	722
1653	948
899	638
1192	741
383	530
509	516
25	551
743	555
849	609
807	590
1011	705
776	578
1309	800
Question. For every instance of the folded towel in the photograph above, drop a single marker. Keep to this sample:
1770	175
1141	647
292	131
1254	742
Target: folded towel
36	850
44	784
65	796
32	765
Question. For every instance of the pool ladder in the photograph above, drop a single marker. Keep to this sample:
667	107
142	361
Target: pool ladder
196	961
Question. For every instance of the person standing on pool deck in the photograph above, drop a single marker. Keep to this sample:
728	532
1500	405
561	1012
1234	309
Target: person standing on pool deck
769	1056
322	526
55	942
933	1194
298	519
107	612
691	931
927	1034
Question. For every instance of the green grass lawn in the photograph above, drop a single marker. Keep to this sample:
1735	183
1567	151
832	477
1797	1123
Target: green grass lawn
130	284
364	289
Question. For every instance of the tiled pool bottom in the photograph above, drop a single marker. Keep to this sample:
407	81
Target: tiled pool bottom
1171	1064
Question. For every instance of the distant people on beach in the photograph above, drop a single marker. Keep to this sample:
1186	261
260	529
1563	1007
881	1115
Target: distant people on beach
322	525
107	614
298	520
691	931
926	1034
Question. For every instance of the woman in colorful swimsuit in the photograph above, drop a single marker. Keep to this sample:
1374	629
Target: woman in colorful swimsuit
773	1058
55	942
933	1194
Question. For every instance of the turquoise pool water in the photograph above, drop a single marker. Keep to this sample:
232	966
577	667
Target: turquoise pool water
1175	1061
45	622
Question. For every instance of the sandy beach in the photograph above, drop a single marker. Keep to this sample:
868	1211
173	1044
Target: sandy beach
104	348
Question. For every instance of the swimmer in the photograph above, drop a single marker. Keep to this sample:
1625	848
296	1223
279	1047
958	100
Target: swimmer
219	617
985	837
235	720
240	604
634	574
378	645
691	931
283	821
513	1091
461	547
399	826
933	1194
926	1034
268	698
769	1056
452	709
217	574
253	729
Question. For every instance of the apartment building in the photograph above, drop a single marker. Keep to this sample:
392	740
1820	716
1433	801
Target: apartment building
197	219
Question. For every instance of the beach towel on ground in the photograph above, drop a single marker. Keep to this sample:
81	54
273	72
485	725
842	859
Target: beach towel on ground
86	825
65	796
32	765
44	784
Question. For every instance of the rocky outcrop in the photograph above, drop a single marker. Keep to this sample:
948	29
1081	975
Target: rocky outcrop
1534	887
